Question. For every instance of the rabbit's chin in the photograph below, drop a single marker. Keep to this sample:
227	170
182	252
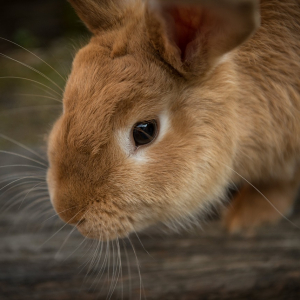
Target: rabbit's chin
104	232
98	233
107	226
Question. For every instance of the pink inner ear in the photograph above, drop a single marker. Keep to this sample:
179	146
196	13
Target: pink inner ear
188	22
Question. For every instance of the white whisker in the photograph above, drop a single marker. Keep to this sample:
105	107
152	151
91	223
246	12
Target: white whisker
121	270
21	145
23	156
10	205
28	108
128	269
102	268
58	213
31	80
61	228
15	186
141	243
138	266
117	271
33	69
22	166
31	190
277	210
85	238
34	56
67	238
41	96
113	273
9	184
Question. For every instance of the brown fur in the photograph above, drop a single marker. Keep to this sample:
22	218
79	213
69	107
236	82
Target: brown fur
229	120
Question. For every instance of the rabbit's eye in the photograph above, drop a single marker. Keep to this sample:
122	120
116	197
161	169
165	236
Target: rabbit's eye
144	132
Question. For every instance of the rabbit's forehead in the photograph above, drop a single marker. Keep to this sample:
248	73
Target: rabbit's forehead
101	84
94	73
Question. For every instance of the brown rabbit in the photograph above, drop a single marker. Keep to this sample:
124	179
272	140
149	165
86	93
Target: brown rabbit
171	103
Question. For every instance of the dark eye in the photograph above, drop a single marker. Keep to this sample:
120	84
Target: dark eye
144	132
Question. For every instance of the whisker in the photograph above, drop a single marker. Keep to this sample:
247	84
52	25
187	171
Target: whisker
13	204
23	156
85	238
90	262
41	96
27	177
15	186
37	201
141	243
34	56
44	206
31	80
31	190
49	208
34	70
113	272
67	238
121	270
21	145
91	265
22	166
83	266
40	214
138	266
61	228
105	260
17	218
46	91
108	263
277	210
100	251
128	269
27	109
117	271
57	214
8	179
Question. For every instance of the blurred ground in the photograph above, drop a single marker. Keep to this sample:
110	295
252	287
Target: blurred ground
202	264
40	258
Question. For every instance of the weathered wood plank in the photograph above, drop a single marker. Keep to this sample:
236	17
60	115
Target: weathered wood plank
203	264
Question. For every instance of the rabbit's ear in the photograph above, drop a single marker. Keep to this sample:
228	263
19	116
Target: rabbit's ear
100	15
197	33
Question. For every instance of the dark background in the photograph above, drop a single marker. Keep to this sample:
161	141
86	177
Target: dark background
35	23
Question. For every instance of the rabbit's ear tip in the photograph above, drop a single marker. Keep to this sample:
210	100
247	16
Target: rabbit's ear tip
100	15
209	29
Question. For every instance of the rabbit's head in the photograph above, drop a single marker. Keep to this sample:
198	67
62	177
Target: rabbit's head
148	125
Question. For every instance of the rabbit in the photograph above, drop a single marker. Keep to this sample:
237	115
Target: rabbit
170	104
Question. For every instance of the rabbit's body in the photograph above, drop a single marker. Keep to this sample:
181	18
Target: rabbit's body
268	69
226	115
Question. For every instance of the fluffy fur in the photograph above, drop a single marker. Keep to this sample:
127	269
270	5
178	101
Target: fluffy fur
232	101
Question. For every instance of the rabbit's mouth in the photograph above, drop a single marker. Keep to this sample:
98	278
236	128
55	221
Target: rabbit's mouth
94	228
81	222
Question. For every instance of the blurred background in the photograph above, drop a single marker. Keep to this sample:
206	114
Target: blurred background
51	30
40	258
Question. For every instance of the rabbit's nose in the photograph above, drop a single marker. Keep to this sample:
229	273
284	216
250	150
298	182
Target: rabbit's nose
66	207
73	215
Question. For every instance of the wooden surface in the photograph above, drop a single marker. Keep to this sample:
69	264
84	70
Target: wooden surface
203	264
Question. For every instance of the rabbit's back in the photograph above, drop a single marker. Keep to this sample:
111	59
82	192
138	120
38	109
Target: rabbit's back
268	67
